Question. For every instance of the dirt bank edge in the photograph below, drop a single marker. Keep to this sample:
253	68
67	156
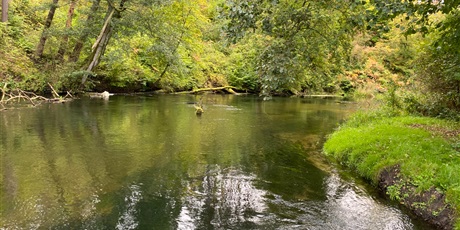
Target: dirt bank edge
429	205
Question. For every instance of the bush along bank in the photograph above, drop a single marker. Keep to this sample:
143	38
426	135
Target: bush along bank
414	160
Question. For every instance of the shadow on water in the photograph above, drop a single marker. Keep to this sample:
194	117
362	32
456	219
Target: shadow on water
148	162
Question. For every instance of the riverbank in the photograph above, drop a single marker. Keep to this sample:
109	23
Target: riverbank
414	160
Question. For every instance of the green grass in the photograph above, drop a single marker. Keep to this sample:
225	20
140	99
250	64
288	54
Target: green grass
425	149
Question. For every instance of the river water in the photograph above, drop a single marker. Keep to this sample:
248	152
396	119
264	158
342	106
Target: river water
148	162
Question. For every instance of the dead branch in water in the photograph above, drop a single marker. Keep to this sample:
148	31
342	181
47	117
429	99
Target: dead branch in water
55	94
10	96
229	89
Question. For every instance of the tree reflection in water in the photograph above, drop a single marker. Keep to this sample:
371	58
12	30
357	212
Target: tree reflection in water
224	197
228	199
150	163
128	220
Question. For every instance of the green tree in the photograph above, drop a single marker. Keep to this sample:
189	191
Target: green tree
306	41
161	47
437	69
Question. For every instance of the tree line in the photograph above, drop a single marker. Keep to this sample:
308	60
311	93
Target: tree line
261	46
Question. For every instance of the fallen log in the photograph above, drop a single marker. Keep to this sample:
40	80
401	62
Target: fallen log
229	89
322	95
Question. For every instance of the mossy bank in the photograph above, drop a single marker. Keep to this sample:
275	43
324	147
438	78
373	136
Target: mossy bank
414	160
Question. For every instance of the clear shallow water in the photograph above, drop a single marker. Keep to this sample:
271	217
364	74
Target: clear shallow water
148	162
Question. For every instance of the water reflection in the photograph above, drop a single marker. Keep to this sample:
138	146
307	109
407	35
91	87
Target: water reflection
222	199
128	220
229	199
348	205
150	163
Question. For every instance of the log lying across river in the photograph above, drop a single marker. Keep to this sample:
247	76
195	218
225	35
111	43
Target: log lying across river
229	89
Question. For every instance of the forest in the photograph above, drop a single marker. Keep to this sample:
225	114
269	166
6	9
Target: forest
402	56
361	49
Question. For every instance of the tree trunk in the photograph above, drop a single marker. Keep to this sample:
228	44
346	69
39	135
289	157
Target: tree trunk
49	20
4	10
68	25
102	40
106	27
84	36
100	48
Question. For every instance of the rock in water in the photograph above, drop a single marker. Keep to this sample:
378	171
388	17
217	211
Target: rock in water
104	95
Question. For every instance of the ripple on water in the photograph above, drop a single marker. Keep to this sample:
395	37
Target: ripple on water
346	207
237	203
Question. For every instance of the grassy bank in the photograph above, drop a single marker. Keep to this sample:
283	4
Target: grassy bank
419	156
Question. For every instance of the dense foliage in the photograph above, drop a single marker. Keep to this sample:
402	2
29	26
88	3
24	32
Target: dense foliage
356	48
304	42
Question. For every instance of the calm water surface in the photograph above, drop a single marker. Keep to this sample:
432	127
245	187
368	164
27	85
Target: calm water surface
148	162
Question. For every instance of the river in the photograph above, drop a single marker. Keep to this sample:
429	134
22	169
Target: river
148	162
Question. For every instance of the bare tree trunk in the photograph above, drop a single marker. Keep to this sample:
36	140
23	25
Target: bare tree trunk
68	25
84	36
4	10
106	27
97	52
49	20
103	39
99	47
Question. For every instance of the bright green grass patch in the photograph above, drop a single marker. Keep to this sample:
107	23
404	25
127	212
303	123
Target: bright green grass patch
426	149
